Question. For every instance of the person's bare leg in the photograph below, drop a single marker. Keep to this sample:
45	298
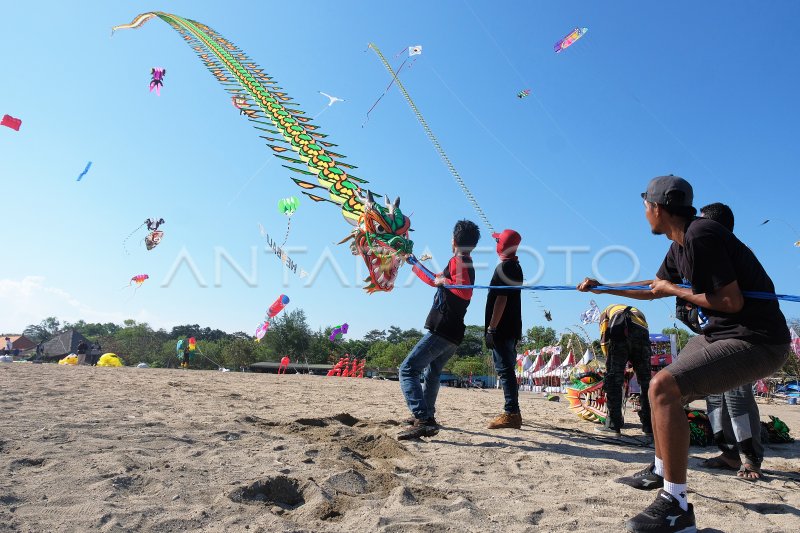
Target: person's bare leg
670	426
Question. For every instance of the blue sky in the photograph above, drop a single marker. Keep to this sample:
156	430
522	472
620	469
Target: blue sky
648	91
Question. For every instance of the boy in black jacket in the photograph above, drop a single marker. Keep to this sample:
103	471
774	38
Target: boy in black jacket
445	325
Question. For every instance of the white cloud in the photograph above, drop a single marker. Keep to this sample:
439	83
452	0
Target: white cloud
30	300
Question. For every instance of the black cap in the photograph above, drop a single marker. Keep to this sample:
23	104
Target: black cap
669	190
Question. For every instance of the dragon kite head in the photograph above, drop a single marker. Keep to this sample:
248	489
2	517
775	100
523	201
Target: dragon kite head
585	394
381	239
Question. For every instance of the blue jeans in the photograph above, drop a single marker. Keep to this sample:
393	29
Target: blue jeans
505	361
430	355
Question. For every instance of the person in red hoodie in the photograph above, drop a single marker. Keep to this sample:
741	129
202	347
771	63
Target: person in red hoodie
503	325
445	325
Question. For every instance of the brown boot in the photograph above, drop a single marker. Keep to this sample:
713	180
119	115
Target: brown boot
507	420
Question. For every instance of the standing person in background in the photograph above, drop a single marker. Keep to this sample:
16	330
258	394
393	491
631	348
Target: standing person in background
624	337
82	347
94	353
734	416
8	346
503	325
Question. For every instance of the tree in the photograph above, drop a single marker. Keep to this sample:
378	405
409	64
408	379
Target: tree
43	330
94	330
239	353
194	330
375	335
137	343
473	344
538	337
683	335
384	354
289	335
465	366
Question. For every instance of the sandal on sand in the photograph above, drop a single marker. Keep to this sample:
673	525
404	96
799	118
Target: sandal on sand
750	472
718	463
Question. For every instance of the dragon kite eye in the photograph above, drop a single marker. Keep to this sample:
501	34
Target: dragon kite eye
379	229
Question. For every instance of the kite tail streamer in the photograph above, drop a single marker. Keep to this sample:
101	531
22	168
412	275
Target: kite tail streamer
434	140
129	236
288	228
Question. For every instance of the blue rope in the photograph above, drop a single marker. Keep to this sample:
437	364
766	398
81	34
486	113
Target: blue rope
750	294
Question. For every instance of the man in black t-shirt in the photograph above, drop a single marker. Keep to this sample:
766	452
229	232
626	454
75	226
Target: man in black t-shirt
503	323
744	339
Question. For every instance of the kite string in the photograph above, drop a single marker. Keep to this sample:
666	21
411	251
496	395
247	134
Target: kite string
434	140
288	227
394	77
125	248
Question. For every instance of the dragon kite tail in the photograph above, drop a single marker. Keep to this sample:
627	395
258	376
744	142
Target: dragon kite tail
290	132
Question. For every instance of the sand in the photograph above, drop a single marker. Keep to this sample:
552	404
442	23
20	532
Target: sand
127	449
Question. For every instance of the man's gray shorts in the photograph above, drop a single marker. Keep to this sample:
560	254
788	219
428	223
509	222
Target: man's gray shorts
704	368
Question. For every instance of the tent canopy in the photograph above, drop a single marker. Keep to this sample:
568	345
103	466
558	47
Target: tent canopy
63	344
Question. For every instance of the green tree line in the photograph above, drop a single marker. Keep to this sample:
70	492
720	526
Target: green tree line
291	335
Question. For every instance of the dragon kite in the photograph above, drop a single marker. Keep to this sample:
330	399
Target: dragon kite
380	235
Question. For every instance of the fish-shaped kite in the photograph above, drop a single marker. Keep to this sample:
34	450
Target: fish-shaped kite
564	43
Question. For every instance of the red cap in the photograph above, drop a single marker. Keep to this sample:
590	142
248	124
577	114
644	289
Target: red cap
507	239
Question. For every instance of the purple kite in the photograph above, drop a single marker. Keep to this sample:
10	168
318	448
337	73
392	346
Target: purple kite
157	80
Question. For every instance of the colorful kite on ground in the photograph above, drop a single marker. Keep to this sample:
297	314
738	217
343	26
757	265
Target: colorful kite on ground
338	331
157	79
85	170
287	130
11	122
522	94
567	41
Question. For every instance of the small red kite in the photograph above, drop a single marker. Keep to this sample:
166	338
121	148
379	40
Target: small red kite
11	122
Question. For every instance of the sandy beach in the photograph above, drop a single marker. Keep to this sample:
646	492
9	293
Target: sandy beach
127	449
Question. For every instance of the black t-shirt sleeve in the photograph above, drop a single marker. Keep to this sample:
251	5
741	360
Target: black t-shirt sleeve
710	263
669	268
508	273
